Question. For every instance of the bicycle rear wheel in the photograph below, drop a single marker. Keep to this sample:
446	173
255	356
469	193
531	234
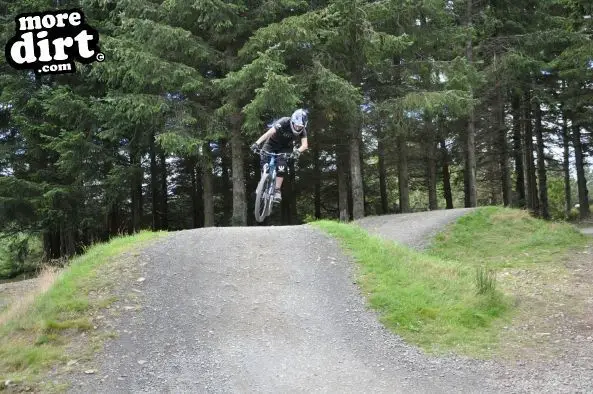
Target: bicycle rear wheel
262	198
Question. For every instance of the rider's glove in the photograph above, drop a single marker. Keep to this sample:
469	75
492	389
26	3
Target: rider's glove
254	147
296	153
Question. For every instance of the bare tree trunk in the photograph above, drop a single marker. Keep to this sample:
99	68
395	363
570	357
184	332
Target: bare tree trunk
317	182
207	189
382	177
195	174
518	151
584	209
446	176
285	203
566	166
293	193
431	179
154	184
51	244
164	192
505	173
342	187
113	219
471	137
227	188
136	188
356	178
239	204
528	164
541	165
403	175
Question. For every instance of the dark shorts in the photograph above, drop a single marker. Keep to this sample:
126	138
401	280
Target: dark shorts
281	162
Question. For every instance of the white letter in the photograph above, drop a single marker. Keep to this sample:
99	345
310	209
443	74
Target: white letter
83	46
53	67
44	47
48	21
30	23
27	44
61	18
74	19
59	44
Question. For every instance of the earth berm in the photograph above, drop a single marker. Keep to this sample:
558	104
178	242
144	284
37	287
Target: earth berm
277	309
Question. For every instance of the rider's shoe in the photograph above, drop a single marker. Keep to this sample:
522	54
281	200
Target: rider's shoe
277	196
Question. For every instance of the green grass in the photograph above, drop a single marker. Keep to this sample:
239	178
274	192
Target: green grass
432	302
36	340
502	237
447	299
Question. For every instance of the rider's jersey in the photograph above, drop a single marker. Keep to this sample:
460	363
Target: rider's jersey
284	138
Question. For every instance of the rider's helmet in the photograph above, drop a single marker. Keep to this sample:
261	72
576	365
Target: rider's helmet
298	121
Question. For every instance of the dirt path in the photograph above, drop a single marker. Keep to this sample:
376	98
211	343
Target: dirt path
412	229
278	311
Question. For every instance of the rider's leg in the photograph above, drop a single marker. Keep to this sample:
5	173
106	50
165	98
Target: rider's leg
280	178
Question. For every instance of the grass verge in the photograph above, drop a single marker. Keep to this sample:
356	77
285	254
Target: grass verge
447	299
35	337
503	237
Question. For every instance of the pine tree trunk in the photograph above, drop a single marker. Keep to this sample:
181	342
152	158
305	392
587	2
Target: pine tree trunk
403	175
194	172
471	137
293	193
518	152
66	241
113	219
285	203
207	190
446	176
466	200
528	159
505	173
317	175
51	244
343	187
239	203
164	194
382	177
584	209
541	165
431	178
356	178
136	189
154	184
227	196
566	166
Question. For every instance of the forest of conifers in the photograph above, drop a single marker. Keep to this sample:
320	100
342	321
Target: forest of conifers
413	105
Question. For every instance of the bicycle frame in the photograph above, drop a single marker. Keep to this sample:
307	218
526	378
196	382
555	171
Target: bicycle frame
268	170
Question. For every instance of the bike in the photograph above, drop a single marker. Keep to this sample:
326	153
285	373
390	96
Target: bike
264	194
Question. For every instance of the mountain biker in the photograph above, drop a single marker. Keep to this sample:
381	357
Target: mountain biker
281	138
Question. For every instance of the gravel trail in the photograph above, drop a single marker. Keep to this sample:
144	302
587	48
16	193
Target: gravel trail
412	229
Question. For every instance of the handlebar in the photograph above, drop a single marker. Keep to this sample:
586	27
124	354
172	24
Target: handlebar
287	155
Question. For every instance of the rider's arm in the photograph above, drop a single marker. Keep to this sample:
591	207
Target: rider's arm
265	136
304	144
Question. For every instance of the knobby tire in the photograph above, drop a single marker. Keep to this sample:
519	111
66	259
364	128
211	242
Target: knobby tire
262	198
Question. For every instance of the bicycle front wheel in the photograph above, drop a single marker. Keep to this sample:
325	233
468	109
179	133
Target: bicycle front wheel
261	198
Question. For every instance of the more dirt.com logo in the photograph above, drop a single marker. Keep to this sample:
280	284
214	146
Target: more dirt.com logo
49	42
